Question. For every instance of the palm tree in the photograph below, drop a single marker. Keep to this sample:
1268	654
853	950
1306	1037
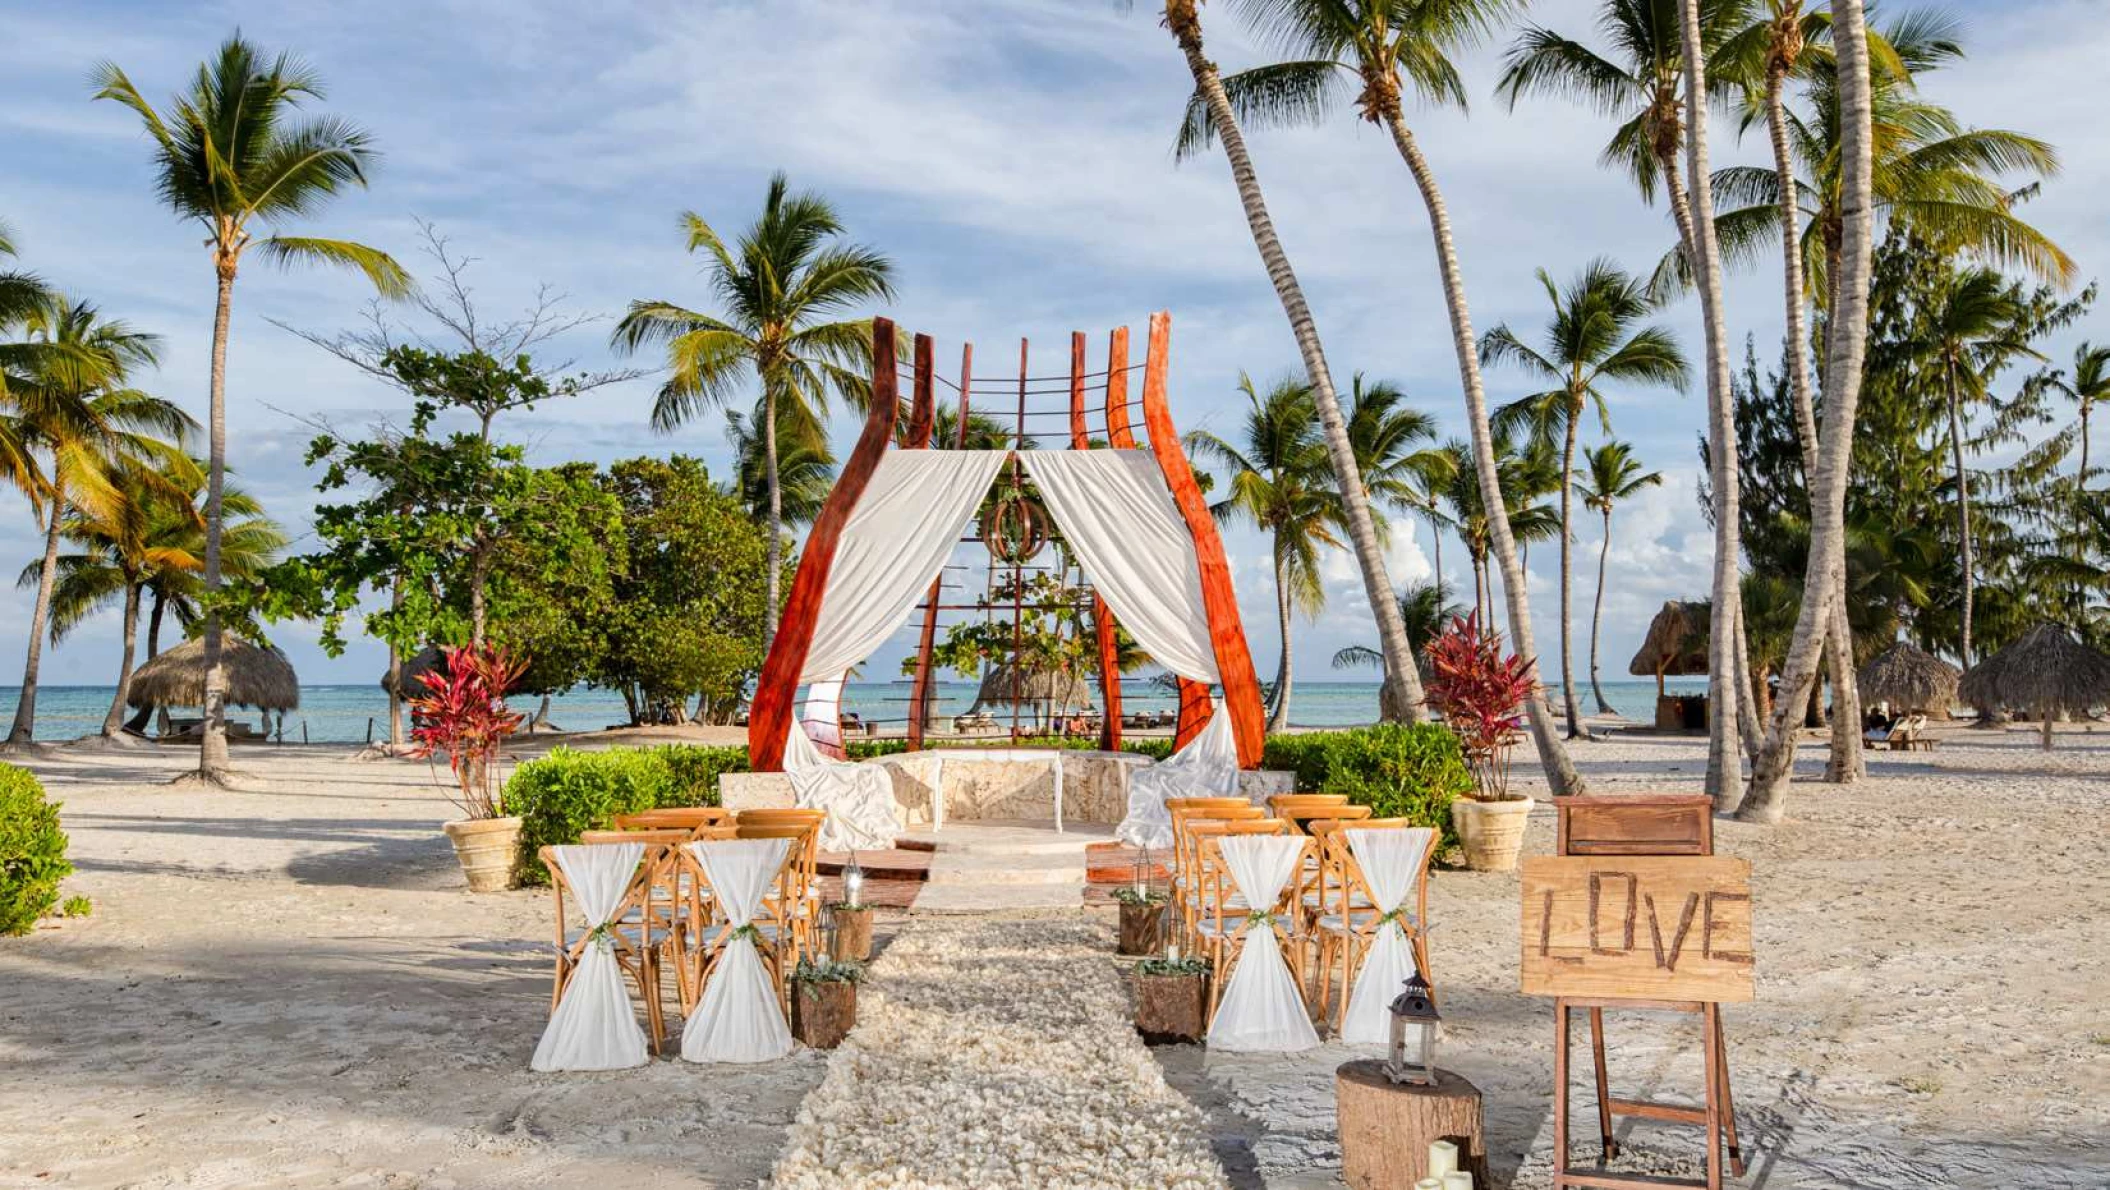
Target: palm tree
1213	114
1386	436
1848	343
1426	608
805	466
1279	482
1591	339
1522	487
1380	48
1611	476
85	430
233	153
2090	384
783	286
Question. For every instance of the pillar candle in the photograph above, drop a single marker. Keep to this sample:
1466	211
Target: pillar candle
1172	952
1429	1184
1457	1180
1443	1158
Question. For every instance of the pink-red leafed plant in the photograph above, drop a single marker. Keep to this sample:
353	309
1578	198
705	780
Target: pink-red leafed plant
1481	693
463	713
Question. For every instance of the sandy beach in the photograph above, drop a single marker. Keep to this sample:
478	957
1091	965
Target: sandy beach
286	985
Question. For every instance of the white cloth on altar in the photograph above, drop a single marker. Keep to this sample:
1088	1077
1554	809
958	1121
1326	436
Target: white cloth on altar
1116	513
859	798
1390	860
1261	1008
740	1018
904	526
1206	767
594	1027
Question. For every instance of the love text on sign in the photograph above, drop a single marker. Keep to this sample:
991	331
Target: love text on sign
1638	927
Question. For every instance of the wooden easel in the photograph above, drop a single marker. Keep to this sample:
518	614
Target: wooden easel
1655	825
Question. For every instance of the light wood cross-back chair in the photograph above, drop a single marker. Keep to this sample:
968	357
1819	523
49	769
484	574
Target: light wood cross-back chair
1220	930
675	817
1295	808
1186	812
774	939
1349	914
634	939
792	913
664	905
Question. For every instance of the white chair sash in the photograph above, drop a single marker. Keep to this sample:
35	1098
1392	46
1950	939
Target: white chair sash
859	798
1206	767
1389	860
1261	1008
740	1018
594	1027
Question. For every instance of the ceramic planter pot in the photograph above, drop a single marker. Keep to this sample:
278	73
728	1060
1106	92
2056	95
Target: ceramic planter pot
1492	832
486	848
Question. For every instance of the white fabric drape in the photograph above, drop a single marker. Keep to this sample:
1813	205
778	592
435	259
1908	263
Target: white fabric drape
859	798
896	540
594	1027
1206	767
1390	859
739	1019
1115	511
823	714
1261	1007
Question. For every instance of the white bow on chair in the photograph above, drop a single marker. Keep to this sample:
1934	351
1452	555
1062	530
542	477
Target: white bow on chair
594	1027
1390	860
740	1018
1261	1008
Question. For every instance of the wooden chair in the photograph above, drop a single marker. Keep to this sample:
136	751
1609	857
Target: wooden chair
1296	807
1220	934
772	936
633	943
1345	928
793	913
677	817
1184	813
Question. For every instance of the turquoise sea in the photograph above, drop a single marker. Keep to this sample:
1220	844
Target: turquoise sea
346	714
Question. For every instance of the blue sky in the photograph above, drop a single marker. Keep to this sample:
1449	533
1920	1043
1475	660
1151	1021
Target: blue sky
1011	156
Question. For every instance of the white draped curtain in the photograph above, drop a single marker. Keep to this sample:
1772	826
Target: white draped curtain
739	1018
594	1027
1261	1008
1391	861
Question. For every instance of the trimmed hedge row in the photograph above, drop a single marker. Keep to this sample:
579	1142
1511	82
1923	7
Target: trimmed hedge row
1399	771
32	851
567	791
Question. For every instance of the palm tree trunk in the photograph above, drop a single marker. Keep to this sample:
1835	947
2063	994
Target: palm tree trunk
1576	730
1765	801
1847	762
1278	714
1724	666
47	577
774	556
1963	506
138	722
1436	530
212	747
479	582
1401	698
1553	756
1597	614
113	722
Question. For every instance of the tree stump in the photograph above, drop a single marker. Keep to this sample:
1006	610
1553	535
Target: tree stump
1171	1008
1142	926
1386	1127
853	934
822	1011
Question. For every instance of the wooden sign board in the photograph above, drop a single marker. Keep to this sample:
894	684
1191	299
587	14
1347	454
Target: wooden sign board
1638	927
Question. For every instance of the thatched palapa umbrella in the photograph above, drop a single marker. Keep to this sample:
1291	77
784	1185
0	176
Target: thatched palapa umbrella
2044	672
1912	680
1676	644
258	677
1007	685
426	660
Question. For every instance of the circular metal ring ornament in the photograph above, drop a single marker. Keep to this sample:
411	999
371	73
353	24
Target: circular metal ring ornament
1014	529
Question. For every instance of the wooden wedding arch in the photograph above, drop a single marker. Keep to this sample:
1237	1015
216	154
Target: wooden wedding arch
772	711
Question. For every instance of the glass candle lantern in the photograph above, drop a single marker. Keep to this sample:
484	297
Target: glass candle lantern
1413	1012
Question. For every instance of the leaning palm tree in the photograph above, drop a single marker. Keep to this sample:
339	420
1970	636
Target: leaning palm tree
784	287
1378	50
233	153
1611	476
1591	340
1279	481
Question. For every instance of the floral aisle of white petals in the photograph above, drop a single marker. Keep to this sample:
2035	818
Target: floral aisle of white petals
995	1052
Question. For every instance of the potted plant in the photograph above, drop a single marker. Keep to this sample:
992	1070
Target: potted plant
463	713
1172	998
1142	919
824	1001
1481	693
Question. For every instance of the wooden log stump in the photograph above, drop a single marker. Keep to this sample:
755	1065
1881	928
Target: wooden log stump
1386	1127
1142	927
853	934
822	1011
1171	1008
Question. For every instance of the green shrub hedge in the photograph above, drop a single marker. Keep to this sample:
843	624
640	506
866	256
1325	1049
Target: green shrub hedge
1399	771
32	851
567	791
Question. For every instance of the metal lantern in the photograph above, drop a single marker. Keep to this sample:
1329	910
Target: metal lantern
1414	1007
853	882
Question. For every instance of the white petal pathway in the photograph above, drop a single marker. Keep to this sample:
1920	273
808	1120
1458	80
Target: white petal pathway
995	1052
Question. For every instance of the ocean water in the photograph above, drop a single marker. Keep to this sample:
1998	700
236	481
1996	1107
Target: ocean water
355	713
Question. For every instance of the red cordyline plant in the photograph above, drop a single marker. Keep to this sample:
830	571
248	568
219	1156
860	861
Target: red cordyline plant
464	714
1481	694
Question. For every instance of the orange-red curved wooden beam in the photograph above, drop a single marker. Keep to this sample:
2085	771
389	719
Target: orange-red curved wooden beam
921	421
770	714
1234	661
1102	616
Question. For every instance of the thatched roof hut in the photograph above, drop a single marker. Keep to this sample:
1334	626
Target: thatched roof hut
2044	672
1909	678
1676	644
257	676
1005	685
415	667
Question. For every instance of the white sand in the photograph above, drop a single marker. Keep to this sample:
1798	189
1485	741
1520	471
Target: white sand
286	986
